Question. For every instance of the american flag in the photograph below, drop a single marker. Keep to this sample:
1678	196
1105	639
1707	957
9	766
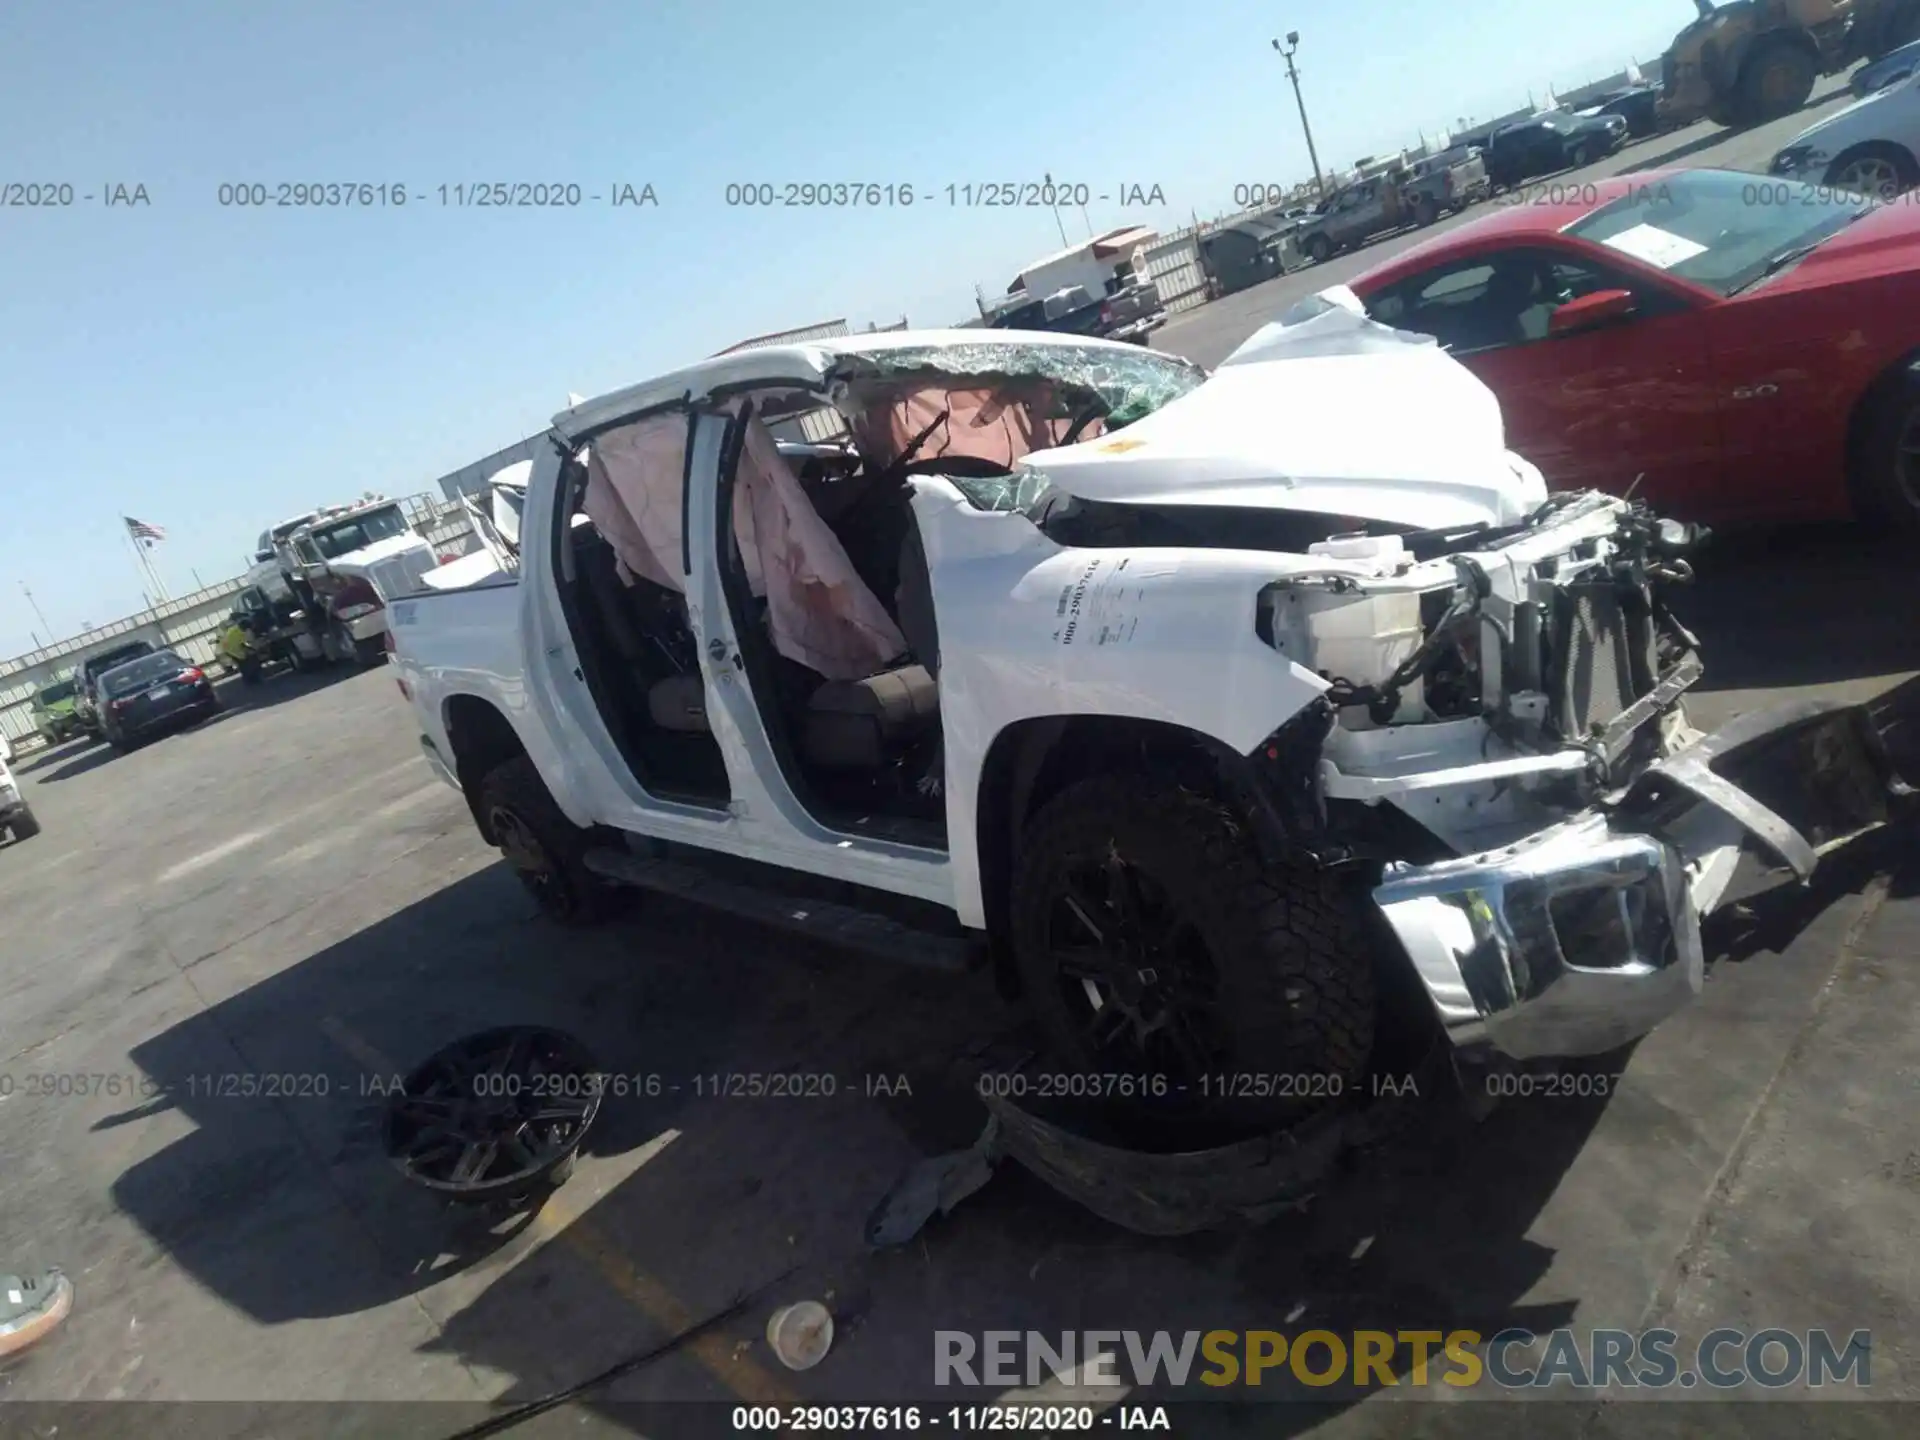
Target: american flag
141	530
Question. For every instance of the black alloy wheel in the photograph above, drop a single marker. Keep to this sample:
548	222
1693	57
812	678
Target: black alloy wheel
1135	971
494	1115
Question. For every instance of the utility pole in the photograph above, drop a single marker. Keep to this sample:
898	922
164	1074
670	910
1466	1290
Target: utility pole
36	607
1286	53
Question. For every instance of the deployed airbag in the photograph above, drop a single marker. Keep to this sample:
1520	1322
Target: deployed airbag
821	614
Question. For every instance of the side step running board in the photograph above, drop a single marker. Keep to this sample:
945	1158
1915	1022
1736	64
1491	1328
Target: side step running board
869	933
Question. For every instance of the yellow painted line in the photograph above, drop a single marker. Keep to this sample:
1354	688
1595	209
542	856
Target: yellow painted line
558	1220
717	1355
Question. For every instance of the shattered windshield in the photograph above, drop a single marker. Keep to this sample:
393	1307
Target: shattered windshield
1019	493
1129	383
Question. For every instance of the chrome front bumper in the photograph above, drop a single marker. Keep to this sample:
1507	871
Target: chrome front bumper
1586	935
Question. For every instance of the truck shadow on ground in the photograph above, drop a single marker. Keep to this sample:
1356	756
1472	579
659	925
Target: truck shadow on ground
1803	606
288	1210
282	686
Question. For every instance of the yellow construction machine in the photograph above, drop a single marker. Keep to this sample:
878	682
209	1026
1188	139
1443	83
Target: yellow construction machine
1752	61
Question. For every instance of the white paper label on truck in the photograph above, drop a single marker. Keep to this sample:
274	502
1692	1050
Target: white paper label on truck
1105	603
1656	246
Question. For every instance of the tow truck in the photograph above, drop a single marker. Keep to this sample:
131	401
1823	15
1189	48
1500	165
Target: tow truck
316	594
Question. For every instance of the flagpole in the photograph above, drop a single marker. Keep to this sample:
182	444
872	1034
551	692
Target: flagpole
146	565
138	559
154	570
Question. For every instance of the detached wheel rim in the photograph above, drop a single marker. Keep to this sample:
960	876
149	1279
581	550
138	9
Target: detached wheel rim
494	1113
531	860
1870	175
1135	971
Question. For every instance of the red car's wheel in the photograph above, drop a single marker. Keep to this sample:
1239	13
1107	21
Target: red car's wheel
1890	474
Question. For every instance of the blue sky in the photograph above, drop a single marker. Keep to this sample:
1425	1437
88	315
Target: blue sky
210	368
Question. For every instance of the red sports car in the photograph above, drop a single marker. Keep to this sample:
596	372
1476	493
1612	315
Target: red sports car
1751	348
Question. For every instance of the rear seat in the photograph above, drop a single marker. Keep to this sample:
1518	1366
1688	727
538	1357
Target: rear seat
847	725
860	724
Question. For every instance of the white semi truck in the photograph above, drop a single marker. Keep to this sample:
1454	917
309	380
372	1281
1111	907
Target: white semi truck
317	592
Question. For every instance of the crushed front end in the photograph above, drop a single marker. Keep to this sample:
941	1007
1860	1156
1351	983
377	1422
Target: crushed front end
1504	735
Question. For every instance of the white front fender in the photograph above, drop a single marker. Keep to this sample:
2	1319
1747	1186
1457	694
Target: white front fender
1030	630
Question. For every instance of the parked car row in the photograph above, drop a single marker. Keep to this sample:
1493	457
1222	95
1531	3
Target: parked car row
125	695
1554	140
1418	194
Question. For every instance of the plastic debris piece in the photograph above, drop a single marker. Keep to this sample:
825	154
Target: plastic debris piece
933	1186
800	1334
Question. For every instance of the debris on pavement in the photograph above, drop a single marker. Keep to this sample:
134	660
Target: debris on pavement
800	1334
933	1186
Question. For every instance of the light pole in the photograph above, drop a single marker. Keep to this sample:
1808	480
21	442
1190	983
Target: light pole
1056	210
36	607
1286	53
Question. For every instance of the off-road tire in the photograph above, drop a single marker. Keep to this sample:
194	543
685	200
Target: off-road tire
566	891
24	825
1319	249
1425	212
1293	966
1887	486
1774	82
370	652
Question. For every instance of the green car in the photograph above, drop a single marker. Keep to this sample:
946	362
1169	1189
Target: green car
53	712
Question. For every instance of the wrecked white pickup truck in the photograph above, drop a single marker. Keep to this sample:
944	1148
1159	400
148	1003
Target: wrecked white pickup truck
1204	709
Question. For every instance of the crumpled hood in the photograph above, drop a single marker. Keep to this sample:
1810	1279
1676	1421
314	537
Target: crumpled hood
392	566
1322	411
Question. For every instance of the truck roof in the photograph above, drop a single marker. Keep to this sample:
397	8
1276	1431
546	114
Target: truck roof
804	365
330	514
